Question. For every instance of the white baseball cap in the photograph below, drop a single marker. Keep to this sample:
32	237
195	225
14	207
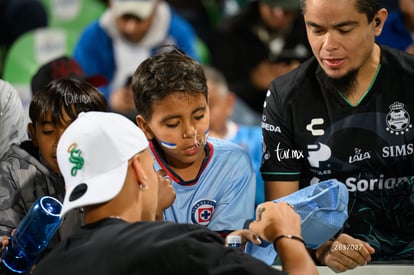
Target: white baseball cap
93	154
140	8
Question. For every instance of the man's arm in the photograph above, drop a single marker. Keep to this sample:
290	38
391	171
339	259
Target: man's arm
278	189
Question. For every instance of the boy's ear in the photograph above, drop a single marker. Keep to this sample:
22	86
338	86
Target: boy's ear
32	134
144	127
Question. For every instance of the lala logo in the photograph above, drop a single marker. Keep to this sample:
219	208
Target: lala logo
202	211
359	155
398	119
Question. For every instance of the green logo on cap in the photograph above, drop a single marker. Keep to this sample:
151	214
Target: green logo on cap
76	159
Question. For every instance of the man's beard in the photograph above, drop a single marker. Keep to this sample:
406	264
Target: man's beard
344	85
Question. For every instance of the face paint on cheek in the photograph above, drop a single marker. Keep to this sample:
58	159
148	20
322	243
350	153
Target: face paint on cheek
202	140
168	145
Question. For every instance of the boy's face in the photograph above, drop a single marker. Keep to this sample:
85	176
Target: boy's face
45	135
179	124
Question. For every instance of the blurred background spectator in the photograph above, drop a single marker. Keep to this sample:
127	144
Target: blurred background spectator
398	31
222	125
62	67
16	18
127	33
13	119
390	5
122	101
265	39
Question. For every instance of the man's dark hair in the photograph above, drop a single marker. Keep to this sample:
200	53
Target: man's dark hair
368	7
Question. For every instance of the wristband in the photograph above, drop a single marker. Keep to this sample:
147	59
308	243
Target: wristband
293	237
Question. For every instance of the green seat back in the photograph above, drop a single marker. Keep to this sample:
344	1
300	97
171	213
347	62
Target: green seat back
30	51
73	14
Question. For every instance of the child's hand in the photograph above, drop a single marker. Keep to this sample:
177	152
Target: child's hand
247	235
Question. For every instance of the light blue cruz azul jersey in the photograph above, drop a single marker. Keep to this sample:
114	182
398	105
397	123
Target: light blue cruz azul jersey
222	196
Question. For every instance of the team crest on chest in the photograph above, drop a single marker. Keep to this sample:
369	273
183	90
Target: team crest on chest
398	119
202	211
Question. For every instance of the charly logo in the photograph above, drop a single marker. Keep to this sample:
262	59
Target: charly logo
75	158
311	127
202	211
398	119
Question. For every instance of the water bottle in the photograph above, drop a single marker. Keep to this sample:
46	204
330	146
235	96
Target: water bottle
234	242
32	235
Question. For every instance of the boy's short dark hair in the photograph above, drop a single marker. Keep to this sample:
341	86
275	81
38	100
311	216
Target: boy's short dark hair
163	74
69	95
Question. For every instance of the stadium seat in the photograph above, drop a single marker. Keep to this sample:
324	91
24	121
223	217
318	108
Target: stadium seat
73	14
30	51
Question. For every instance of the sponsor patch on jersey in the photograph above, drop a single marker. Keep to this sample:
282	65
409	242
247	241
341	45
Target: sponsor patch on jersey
398	119
202	211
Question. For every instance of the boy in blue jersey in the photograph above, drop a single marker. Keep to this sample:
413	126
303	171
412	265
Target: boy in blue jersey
221	103
214	179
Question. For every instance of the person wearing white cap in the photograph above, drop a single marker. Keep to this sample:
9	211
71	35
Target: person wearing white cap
128	32
108	171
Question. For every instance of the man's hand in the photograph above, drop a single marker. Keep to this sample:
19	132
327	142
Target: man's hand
275	219
345	253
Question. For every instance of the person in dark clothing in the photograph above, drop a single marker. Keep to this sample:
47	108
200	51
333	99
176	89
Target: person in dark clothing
16	18
113	179
266	39
346	114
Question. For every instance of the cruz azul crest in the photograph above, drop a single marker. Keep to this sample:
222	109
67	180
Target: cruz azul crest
202	211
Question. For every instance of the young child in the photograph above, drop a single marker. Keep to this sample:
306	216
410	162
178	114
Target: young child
31	170
213	179
249	137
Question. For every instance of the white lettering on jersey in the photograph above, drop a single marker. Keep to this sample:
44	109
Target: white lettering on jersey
397	150
362	185
359	156
282	153
271	128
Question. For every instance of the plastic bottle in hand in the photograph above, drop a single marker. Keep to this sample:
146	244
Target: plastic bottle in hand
234	242
32	235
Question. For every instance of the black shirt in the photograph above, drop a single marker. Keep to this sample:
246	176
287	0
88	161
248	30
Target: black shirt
112	246
313	134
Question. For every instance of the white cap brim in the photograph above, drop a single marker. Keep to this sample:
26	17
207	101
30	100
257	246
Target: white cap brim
141	9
